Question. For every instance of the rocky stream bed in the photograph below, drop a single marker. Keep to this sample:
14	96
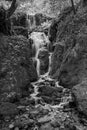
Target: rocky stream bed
49	107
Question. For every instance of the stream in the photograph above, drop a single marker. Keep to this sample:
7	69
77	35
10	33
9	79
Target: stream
51	108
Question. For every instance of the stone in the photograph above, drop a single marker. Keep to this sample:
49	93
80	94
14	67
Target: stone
43	56
52	34
49	94
57	58
19	24
19	19
80	96
49	91
44	119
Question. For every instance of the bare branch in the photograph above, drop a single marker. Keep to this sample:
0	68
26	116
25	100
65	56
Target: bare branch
11	10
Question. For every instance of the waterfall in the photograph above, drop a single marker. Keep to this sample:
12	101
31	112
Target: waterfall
40	41
50	55
38	62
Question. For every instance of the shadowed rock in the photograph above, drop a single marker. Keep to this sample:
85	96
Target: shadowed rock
16	67
80	96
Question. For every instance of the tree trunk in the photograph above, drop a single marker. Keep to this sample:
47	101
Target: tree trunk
73	7
11	10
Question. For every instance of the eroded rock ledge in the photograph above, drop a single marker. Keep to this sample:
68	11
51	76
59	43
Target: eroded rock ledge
69	60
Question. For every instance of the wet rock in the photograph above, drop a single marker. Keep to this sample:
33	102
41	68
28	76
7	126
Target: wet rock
19	19
20	24
80	96
50	95
43	56
16	68
51	100
49	91
57	58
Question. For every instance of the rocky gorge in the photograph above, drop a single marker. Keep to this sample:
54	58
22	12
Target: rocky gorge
43	69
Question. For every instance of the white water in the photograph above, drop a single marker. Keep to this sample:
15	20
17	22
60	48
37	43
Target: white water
40	40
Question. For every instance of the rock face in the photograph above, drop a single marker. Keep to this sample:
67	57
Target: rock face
38	19
16	67
70	54
43	56
53	34
69	60
19	23
49	94
8	109
56	58
80	94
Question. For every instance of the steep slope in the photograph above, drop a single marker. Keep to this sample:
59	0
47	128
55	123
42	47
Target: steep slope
69	60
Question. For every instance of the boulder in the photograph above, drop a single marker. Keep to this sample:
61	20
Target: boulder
16	67
49	94
19	23
43	56
80	96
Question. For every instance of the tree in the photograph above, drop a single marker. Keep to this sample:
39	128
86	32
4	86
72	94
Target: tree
5	23
73	7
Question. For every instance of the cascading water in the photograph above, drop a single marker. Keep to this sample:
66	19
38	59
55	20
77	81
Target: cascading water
38	63
39	41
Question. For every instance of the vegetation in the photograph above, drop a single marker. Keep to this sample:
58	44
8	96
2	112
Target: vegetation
5	24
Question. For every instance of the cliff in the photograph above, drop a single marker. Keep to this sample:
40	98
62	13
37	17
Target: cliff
69	60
